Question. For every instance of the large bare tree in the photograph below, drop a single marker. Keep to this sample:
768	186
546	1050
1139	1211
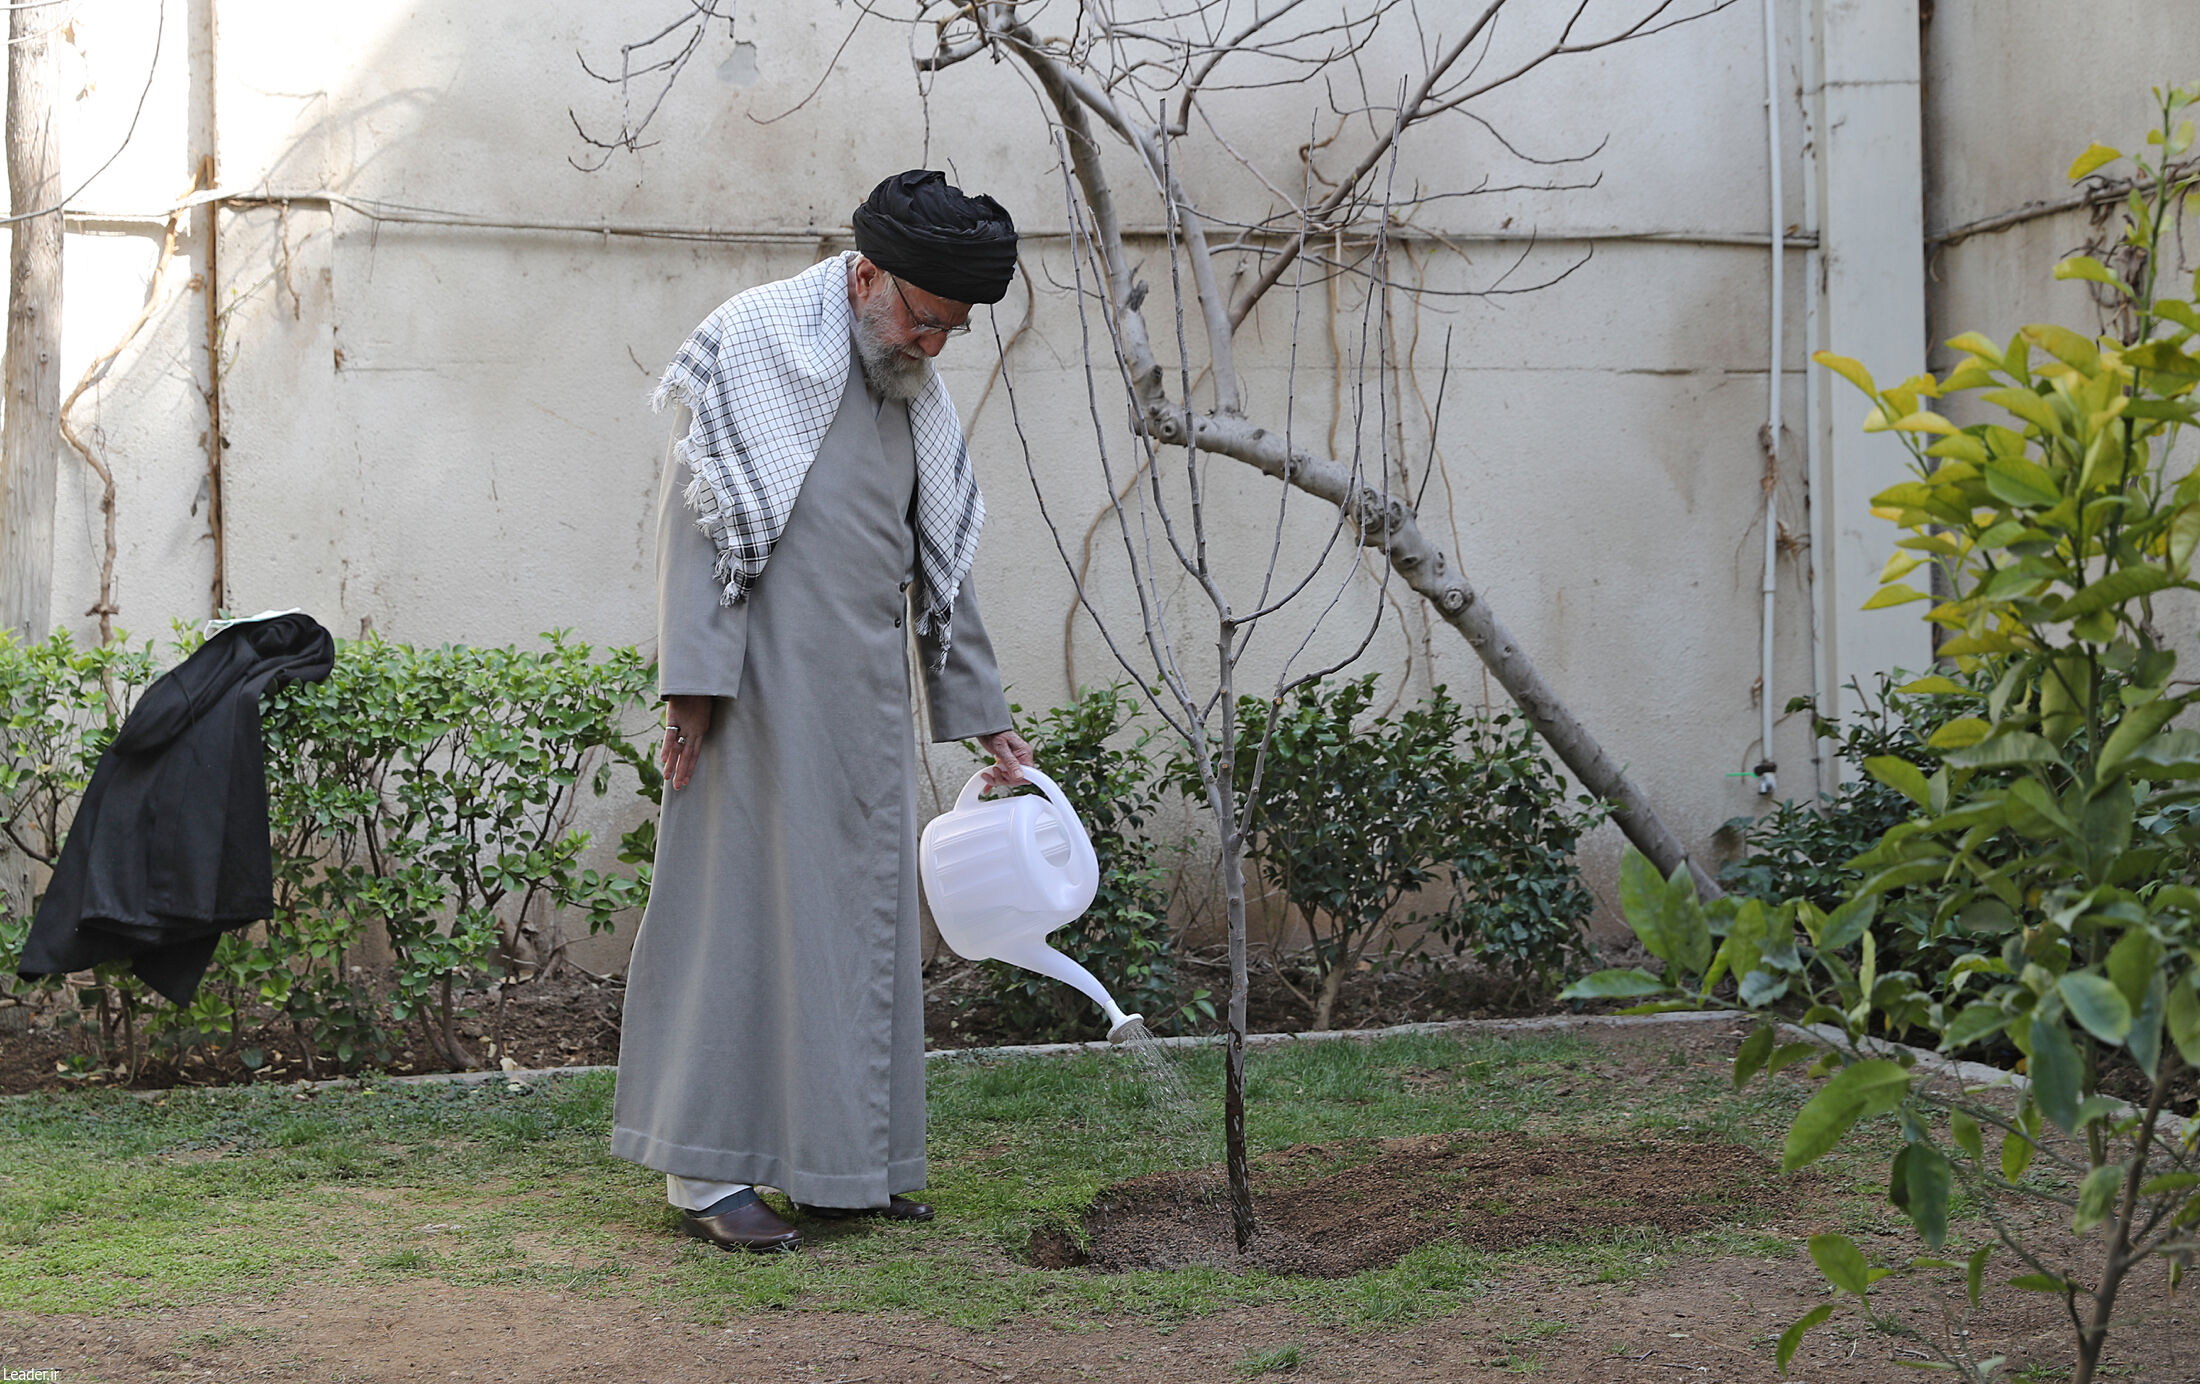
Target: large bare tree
1141	81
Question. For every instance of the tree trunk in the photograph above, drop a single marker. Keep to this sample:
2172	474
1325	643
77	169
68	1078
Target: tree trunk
30	376
1387	522
1325	1008
1234	1152
1222	798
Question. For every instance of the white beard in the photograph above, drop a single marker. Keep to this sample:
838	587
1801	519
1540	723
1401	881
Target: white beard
895	372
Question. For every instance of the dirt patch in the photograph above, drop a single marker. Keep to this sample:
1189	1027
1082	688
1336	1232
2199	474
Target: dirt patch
1706	1319
1333	1210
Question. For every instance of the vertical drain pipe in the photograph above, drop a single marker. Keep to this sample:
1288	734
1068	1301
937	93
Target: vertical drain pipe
1770	440
1826	765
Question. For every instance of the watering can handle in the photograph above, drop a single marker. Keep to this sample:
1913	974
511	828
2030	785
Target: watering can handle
975	789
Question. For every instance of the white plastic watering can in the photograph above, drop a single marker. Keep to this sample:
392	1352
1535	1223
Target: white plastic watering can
1001	875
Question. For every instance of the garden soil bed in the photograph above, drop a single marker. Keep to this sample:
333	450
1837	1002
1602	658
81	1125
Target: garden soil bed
572	1020
1711	1318
1333	1210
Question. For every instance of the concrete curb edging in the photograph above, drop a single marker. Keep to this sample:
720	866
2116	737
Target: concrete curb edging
1974	1074
1258	1040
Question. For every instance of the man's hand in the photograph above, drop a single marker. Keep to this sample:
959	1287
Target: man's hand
1010	755
687	721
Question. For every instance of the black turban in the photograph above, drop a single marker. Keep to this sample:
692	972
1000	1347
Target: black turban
919	227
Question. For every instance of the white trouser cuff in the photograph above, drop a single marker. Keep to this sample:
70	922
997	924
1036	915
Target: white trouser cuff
694	1194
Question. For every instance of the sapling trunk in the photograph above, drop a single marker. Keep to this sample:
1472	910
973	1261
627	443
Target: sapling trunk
2094	1337
1233	1077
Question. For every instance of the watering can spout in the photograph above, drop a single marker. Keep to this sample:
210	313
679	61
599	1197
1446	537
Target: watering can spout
1035	955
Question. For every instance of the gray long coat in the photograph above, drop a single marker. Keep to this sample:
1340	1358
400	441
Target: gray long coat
774	1027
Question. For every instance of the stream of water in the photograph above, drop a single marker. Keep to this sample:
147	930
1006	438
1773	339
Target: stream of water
1179	1127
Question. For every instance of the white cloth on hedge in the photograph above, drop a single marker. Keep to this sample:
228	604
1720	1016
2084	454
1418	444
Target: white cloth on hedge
763	377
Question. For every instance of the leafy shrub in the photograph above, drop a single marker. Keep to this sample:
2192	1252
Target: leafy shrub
1808	851
1352	816
1519	905
1107	770
2059	800
427	793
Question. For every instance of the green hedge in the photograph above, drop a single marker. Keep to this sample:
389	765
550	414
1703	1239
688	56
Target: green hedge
422	795
423	799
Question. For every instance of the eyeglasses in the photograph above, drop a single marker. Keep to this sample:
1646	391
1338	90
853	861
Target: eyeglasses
926	326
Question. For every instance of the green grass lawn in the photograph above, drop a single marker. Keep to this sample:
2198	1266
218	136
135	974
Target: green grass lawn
110	1202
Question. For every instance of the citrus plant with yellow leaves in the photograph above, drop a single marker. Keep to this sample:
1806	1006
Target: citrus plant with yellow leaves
2050	532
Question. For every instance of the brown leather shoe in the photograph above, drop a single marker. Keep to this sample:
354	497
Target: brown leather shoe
897	1208
743	1222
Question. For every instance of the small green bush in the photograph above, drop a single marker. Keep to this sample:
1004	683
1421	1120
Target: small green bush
1353	816
1106	767
1809	851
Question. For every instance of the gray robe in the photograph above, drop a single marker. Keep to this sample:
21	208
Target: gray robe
774	1025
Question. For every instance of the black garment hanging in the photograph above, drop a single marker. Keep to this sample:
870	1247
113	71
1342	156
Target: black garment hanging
170	847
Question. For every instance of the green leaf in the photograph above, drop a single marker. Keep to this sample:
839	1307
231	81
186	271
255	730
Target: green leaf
1787	1055
1931	685
2132	964
2095	1002
1664	913
2097	1196
1792	1338
2111	591
1965	1131
1749	1059
2133	729
1960	733
2006	750
2016	1155
1760	988
1977	344
1974	1271
1976	1023
2014	489
1893	594
2096	155
1625	983
1841	1262
2169	1182
2173	754
2016	481
1850	370
2181	1016
2037	1283
1900	775
1920	1186
2055	1071
1871	1087
1847	923
2145	1040
2089	268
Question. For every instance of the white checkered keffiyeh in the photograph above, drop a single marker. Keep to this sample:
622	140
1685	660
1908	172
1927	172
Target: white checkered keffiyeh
764	376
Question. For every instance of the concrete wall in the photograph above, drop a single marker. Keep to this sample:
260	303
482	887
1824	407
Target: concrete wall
440	430
2013	92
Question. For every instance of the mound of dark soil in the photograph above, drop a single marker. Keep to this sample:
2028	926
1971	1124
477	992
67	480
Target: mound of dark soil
1329	1210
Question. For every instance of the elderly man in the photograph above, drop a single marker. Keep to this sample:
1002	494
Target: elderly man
817	493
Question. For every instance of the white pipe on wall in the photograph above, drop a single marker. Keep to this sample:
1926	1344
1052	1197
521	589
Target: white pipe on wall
1825	764
1766	783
